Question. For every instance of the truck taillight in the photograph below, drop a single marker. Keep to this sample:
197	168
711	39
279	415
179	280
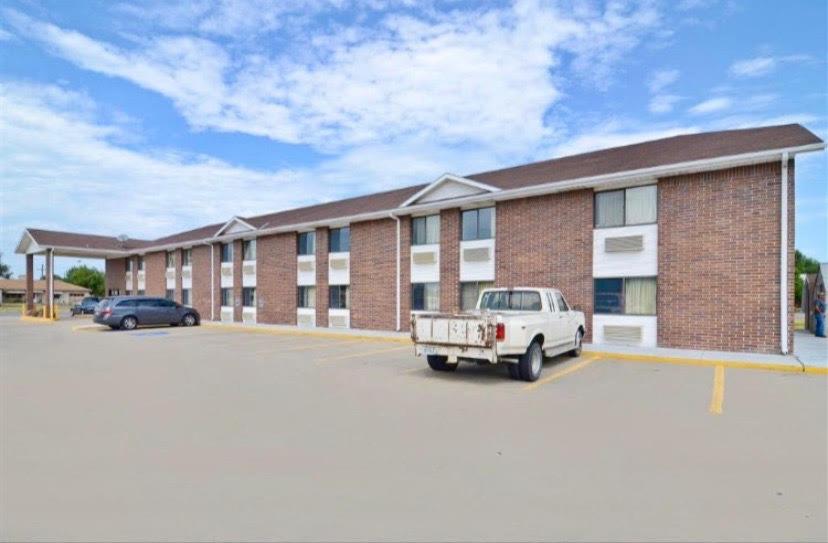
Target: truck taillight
500	335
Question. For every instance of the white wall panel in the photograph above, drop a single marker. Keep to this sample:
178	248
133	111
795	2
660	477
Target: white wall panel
643	263
306	270
473	267
186	277
339	268
306	316
249	273
647	324
226	274
425	263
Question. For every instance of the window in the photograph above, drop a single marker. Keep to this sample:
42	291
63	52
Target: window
307	243
227	252
340	297
140	263
129	264
142	292
511	300
626	296
307	297
470	292
170	259
562	305
249	297
340	240
185	296
478	223
425	230
128	303
625	207
249	249
187	257
169	294
128	293
227	297
425	296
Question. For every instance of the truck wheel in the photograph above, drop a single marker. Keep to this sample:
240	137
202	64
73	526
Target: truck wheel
514	371
440	363
531	362
579	336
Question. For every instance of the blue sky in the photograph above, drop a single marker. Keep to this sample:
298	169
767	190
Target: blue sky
148	118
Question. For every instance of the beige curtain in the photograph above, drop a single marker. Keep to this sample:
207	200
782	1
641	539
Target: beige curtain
432	296
640	296
609	208
641	205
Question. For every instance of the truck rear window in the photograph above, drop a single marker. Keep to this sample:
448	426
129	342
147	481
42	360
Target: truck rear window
511	300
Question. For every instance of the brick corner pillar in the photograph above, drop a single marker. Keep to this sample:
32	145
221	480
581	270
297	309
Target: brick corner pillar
48	288
29	283
114	276
405	273
322	277
178	296
450	260
237	280
216	279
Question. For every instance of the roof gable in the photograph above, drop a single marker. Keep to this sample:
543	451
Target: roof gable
236	225
447	187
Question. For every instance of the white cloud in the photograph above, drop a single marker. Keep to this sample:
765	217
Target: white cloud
478	76
663	103
662	79
763	65
711	106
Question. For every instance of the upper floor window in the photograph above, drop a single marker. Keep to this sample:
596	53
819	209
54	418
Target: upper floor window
626	207
425	230
227	252
170	259
129	264
187	257
306	243
478	223
140	263
340	240
249	249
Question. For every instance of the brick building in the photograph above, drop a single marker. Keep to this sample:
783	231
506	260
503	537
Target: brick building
680	242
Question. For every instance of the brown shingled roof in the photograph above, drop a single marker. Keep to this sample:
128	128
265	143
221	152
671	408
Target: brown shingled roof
19	285
661	152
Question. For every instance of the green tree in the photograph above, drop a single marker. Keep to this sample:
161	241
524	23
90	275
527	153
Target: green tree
5	271
802	264
84	276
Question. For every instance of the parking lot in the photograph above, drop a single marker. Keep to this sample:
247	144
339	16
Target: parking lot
220	434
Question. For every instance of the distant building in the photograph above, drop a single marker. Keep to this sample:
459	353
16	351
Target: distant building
14	291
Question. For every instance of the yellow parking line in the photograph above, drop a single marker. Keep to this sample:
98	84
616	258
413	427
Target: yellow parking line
717	399
364	353
557	375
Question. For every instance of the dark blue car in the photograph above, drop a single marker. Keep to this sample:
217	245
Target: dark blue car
86	306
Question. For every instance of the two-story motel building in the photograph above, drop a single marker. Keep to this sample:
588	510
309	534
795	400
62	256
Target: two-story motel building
681	242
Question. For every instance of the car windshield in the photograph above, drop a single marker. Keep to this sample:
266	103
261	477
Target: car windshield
511	300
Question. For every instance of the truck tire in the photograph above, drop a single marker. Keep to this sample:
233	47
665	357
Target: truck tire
530	363
579	336
440	363
514	371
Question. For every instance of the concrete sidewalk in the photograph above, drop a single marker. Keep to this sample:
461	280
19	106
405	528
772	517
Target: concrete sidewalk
811	350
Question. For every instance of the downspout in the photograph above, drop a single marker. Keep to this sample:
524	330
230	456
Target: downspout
397	219
783	260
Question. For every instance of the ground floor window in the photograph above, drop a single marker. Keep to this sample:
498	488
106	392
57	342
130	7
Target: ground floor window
306	297
249	297
470	292
129	293
227	297
142	292
170	294
340	297
185	297
425	296
626	295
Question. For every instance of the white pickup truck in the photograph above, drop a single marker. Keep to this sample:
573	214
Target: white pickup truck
516	326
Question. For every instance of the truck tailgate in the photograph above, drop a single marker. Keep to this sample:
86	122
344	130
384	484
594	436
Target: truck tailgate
447	329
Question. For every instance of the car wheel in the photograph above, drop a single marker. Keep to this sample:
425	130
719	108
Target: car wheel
440	363
514	371
189	320
129	323
579	336
531	362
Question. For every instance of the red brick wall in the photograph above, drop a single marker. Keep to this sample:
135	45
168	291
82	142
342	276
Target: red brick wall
155	269
237	280
115	277
405	273
719	243
546	241
217	280
178	279
276	279
201	294
134	274
322	277
449	260
374	275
